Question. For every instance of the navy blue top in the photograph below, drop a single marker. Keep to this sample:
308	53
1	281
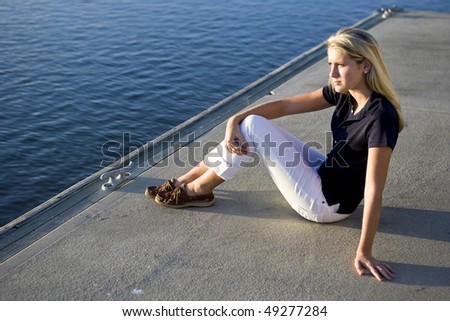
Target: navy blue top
343	173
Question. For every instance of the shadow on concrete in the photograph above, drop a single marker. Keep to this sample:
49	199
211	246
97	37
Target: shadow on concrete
270	204
422	275
419	223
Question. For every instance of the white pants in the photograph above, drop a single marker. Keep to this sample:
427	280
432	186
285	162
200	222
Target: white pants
292	165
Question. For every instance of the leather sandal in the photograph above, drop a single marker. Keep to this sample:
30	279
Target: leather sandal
167	186
178	198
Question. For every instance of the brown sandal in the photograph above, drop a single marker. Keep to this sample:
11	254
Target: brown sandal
178	198
167	186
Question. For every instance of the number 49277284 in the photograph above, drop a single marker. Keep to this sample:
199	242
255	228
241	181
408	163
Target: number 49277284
296	310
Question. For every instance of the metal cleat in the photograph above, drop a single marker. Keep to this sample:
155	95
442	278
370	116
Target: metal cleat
116	177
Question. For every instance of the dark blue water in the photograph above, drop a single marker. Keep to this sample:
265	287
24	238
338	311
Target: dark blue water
76	75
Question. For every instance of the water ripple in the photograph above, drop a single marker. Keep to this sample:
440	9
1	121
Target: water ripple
75	75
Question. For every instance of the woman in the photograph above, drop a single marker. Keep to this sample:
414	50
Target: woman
365	126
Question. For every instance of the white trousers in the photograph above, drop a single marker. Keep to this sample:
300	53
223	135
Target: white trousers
292	165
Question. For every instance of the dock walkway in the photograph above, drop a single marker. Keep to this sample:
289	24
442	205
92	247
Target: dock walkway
251	245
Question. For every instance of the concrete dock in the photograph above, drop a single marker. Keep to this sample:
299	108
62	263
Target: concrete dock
251	245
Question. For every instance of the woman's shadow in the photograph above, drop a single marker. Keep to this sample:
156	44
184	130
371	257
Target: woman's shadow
414	223
411	223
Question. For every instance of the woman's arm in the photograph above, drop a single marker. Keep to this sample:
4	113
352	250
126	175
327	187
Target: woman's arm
295	105
376	174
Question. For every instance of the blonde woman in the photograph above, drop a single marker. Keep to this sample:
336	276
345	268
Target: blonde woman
321	188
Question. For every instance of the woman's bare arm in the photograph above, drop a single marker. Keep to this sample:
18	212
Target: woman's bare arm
309	102
295	105
376	174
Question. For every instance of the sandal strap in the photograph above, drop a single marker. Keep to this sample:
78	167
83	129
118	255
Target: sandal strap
177	194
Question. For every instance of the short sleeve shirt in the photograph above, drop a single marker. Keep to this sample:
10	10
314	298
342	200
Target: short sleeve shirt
344	171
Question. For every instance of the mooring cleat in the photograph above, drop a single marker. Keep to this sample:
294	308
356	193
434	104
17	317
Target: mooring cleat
116	177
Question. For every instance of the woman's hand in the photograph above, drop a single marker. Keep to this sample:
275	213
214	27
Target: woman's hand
235	142
367	263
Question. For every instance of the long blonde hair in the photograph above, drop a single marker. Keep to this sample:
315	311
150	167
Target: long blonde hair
360	45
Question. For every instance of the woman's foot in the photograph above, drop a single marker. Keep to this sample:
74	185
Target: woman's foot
180	197
168	186
171	184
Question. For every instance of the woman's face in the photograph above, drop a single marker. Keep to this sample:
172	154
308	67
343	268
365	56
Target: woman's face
345	73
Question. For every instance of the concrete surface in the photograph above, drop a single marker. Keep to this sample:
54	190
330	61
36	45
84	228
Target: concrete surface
251	245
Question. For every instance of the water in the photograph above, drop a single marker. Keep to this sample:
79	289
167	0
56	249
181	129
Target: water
76	75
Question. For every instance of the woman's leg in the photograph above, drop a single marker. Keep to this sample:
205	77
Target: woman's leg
204	184
197	193
171	184
292	165
192	175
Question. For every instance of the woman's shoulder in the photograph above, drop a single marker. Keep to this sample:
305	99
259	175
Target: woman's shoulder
383	114
382	107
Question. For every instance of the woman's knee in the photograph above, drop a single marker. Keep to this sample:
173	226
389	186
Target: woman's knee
253	121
